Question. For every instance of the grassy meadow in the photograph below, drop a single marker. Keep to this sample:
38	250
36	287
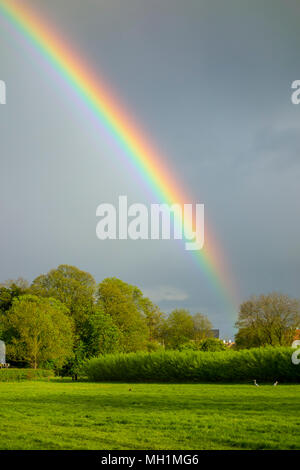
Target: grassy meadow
60	414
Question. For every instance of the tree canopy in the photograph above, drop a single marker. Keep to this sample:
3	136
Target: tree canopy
73	287
268	320
64	317
11	289
181	327
122	302
37	330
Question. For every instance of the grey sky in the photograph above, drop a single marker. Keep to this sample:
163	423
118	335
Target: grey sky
210	84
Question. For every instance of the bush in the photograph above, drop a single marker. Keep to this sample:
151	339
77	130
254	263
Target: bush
263	364
154	346
16	375
207	344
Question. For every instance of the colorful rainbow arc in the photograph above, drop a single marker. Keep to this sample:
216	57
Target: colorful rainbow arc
98	98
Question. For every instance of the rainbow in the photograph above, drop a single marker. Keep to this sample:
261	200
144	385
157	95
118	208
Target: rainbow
98	98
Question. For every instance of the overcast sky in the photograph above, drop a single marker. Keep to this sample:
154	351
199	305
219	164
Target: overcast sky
209	82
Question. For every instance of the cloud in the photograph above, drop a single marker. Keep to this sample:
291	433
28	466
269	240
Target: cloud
158	294
276	149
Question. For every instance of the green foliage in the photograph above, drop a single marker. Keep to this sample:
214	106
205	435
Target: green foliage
74	363
8	292
37	330
179	328
190	346
202	326
263	364
268	320
154	346
15	375
207	344
6	298
122	302
154	318
212	345
71	286
100	334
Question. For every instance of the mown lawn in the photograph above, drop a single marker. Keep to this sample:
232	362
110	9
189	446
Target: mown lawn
66	415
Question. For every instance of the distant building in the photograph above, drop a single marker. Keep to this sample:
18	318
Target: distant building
215	333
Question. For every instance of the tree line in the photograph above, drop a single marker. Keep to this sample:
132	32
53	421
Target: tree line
64	317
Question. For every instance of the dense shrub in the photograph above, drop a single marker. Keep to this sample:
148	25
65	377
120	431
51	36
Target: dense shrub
207	344
212	345
14	375
263	364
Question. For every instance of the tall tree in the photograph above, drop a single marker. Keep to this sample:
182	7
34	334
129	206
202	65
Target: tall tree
38	330
122	302
100	334
202	326
154	318
268	320
179	328
73	287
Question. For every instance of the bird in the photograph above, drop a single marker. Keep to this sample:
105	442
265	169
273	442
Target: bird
255	383
275	383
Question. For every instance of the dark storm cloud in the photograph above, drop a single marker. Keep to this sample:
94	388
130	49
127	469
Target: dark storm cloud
209	82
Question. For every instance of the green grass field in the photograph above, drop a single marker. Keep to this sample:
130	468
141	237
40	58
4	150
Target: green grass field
66	415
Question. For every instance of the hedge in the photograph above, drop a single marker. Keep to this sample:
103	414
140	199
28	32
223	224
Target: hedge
14	375
263	364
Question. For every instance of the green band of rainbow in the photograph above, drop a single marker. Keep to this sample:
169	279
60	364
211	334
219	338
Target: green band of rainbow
99	99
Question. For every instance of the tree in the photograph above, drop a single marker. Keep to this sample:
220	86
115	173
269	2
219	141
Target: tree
154	319
37	330
70	285
179	328
202	327
75	362
11	289
122	302
100	334
268	320
19	283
